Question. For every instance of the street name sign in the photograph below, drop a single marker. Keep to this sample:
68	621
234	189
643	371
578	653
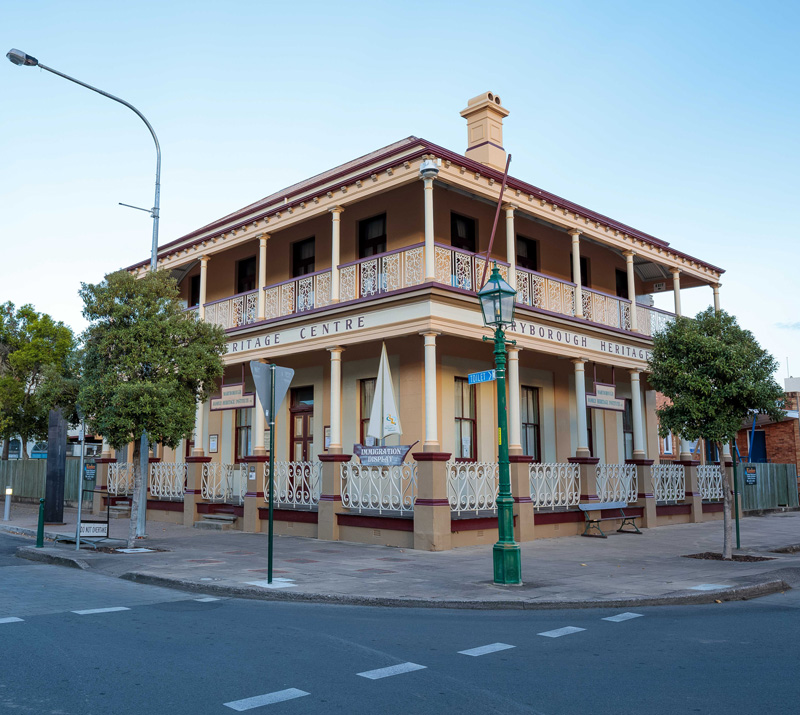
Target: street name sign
485	376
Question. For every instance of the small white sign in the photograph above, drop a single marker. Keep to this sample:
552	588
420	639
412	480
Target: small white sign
94	528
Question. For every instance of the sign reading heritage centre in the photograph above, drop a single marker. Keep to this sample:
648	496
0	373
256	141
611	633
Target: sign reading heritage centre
485	376
605	398
233	397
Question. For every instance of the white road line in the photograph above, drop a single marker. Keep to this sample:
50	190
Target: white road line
90	611
709	587
11	619
391	670
207	599
484	649
622	617
562	632
257	701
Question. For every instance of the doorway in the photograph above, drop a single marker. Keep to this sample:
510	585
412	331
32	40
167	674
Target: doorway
301	412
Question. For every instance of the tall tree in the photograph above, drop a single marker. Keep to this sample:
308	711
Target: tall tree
32	347
715	374
146	363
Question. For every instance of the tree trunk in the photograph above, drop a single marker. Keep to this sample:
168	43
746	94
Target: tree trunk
6	447
137	487
727	521
23	446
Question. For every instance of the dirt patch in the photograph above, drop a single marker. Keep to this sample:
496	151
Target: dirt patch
714	556
792	549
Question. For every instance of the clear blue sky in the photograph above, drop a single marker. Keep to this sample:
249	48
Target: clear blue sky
679	118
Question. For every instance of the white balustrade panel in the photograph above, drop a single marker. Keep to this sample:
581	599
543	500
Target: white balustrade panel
555	485
217	483
379	488
711	482
120	479
651	321
617	482
472	486
381	274
296	483
233	312
298	295
168	480
540	291
606	309
669	482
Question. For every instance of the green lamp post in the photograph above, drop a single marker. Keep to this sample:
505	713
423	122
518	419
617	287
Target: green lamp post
497	304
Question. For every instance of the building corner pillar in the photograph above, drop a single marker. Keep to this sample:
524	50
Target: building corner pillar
330	498
638	423
262	275
432	505
629	255
646	496
194	488
201	308
511	244
335	446
519	469
431	443
582	451
676	290
430	272
514	419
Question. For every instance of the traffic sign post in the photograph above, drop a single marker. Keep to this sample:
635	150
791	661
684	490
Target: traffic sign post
485	376
272	384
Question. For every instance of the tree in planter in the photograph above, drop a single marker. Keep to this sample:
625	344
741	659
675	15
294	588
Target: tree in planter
715	373
34	348
146	363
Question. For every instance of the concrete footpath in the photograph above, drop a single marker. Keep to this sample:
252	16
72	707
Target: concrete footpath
567	572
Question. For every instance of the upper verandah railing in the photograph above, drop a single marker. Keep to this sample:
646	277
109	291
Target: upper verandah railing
405	268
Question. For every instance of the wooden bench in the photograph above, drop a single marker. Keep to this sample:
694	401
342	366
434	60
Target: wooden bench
595	523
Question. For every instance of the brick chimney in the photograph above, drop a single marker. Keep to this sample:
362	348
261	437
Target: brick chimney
484	115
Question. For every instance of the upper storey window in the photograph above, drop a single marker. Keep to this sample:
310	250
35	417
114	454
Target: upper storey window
527	253
246	275
463	232
194	291
372	236
585	273
303	257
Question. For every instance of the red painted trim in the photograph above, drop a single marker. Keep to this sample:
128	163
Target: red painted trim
206	508
431	502
523	500
431	456
392	523
693	494
689	463
296	516
258	458
479	523
191	491
522	459
589	497
713	508
557	517
157	505
198	460
154	460
583	460
484	144
640	462
674	509
324	457
330	497
100	460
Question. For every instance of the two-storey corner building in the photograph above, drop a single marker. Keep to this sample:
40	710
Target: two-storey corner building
390	248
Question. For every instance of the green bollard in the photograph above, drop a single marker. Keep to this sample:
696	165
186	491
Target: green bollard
40	528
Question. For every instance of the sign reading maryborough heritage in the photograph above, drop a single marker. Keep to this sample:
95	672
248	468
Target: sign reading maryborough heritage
233	397
605	398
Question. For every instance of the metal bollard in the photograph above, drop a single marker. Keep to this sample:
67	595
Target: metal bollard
40	529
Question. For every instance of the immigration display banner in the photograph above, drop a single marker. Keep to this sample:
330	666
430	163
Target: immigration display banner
382	456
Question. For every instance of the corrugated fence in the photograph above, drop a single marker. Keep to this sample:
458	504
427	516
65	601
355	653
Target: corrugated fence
775	486
27	477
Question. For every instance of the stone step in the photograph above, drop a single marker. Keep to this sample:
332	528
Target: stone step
119	512
213	524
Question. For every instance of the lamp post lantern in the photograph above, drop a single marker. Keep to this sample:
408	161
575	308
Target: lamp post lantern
497	303
20	58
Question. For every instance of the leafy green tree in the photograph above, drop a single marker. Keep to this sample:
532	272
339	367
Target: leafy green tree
146	363
715	374
33	347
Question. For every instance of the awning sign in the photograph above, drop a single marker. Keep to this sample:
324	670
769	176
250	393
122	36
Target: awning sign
605	398
233	397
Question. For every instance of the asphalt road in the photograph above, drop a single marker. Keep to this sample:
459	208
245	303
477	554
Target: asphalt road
169	652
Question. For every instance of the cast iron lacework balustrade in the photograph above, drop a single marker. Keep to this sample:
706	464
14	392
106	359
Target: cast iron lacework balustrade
296	483
617	482
379	274
669	483
224	483
233	312
168	480
472	486
392	489
606	309
544	292
120	479
710	482
652	320
554	485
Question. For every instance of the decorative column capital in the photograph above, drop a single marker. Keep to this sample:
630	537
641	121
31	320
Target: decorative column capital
430	333
578	363
629	255
634	373
716	286
574	232
204	259
335	350
510	207
513	350
263	238
676	272
336	210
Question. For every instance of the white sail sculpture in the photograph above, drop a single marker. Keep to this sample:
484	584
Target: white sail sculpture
384	418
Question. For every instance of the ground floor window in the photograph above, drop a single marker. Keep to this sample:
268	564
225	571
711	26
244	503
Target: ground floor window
366	397
627	429
466	422
712	452
529	413
244	421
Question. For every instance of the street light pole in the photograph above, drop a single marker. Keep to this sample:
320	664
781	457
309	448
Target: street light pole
20	58
497	303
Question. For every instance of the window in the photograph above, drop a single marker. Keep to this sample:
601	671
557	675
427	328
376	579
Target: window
243	430
303	257
462	233
627	429
530	422
366	396
466	424
667	444
194	291
622	284
527	253
372	236
14	449
712	452
584	270
245	275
